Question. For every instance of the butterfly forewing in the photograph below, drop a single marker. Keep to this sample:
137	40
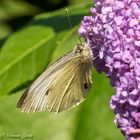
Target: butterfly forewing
61	86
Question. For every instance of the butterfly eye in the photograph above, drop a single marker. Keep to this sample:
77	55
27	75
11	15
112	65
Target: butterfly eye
78	50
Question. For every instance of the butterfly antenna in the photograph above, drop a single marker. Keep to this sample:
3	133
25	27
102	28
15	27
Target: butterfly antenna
69	21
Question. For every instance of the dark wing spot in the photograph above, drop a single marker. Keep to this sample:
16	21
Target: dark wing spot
85	86
47	92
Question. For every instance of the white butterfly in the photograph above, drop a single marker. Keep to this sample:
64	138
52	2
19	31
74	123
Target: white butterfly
62	85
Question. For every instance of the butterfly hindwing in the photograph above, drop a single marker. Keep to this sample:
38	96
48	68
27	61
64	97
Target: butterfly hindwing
68	89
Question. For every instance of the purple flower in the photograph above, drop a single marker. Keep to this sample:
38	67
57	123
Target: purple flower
113	33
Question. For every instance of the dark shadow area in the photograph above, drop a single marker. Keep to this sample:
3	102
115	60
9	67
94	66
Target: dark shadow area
59	23
2	41
21	87
18	22
49	5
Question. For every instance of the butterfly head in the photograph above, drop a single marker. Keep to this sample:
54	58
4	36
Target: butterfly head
84	50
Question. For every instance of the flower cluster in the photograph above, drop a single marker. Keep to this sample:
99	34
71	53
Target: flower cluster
113	33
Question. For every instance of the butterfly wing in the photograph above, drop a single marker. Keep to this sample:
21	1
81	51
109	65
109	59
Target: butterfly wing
70	88
61	86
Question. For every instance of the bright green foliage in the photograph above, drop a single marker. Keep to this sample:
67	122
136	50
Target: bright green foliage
24	56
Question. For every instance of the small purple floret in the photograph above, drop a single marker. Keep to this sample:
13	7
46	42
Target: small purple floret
113	33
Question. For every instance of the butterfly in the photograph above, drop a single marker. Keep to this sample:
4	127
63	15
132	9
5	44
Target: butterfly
64	84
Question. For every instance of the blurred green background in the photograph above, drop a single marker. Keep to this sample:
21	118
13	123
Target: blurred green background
33	33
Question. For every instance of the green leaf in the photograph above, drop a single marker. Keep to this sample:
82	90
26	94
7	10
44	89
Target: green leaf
74	2
20	58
